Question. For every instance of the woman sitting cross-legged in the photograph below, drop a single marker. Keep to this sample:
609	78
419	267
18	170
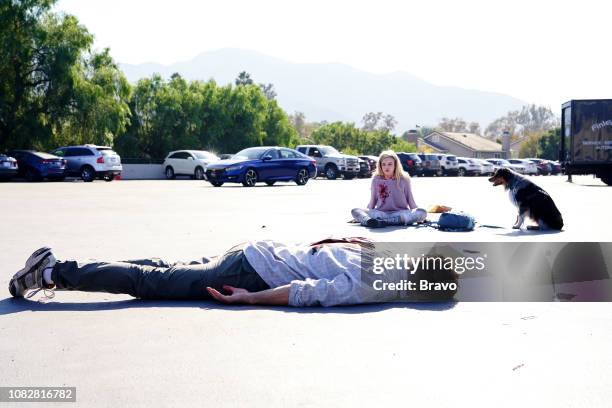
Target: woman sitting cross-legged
391	202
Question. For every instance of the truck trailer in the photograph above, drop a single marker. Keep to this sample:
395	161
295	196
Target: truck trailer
586	138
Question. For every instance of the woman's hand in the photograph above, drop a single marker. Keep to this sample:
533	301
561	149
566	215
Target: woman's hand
236	295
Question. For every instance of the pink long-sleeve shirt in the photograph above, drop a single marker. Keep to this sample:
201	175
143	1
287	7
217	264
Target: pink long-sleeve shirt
388	196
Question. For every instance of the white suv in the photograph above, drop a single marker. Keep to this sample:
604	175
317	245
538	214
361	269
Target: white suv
530	168
90	162
191	163
448	164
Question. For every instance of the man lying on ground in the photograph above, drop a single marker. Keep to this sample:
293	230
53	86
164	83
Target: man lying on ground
324	273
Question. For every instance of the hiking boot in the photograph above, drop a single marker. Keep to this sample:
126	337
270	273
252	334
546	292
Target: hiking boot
31	277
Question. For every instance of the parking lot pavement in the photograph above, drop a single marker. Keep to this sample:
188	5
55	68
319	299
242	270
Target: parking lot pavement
118	351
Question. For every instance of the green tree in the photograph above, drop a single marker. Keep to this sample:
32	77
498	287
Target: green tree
244	78
38	53
350	139
277	128
378	121
456	125
531	146
550	144
100	110
53	90
529	120
268	90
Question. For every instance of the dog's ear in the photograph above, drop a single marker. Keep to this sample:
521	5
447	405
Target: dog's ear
504	173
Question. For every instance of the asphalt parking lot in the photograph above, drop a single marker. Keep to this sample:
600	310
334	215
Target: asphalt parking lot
123	352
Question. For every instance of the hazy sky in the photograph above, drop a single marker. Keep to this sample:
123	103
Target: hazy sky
540	51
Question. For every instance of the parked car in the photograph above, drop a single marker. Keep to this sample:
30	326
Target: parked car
371	160
36	166
544	167
330	162
267	163
190	163
430	163
487	168
90	162
530	168
468	167
505	164
555	167
411	163
448	164
364	169
8	167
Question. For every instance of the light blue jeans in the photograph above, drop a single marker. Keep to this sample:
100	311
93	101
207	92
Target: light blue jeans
406	217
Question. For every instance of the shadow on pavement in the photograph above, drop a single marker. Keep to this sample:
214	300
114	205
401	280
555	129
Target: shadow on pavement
13	305
522	233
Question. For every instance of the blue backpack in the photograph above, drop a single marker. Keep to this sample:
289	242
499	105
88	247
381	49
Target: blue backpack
455	221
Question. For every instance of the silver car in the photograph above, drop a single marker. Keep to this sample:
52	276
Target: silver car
487	168
505	164
529	166
90	162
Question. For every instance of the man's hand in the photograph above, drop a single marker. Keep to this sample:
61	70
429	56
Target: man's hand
236	295
275	296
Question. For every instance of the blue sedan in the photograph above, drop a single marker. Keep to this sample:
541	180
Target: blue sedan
35	166
267	164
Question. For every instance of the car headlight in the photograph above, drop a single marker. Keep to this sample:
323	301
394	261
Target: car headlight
233	168
340	161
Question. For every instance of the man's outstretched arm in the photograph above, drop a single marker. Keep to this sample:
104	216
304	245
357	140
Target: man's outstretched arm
275	296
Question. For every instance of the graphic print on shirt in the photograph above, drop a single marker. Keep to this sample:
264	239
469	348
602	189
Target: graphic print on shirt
383	193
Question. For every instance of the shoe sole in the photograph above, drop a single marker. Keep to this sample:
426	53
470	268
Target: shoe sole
33	261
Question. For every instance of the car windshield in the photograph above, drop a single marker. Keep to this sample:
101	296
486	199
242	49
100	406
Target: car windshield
451	158
251	153
205	156
327	150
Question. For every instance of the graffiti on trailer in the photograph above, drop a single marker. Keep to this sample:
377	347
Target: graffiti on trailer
601	125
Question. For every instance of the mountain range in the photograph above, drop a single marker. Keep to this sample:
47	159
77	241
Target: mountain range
337	92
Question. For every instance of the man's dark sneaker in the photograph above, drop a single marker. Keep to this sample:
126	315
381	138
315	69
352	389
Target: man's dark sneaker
31	277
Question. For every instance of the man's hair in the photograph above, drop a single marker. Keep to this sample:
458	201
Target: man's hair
437	274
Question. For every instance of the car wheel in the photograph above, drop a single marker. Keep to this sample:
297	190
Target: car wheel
461	172
302	177
270	183
216	183
331	172
606	178
109	177
199	173
32	175
441	172
88	174
170	173
250	178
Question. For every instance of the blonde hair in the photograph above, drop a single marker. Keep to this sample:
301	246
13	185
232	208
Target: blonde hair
398	171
